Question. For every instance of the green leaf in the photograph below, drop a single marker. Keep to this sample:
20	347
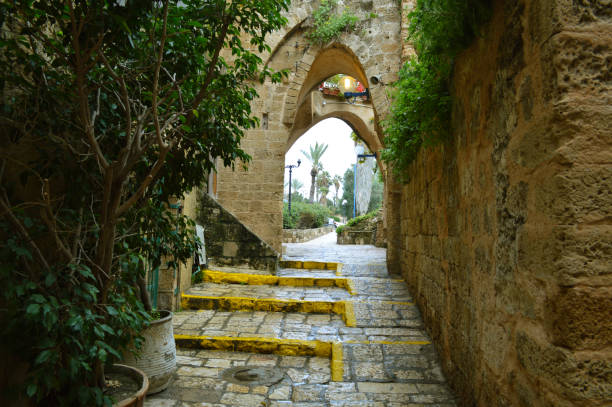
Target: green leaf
43	357
50	279
32	309
31	389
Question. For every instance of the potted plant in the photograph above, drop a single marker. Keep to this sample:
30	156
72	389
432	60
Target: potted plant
110	108
157	356
119	377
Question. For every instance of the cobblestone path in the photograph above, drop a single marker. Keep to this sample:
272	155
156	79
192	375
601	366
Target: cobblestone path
327	334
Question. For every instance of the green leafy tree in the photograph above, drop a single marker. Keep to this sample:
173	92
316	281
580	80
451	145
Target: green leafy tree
111	110
348	184
377	193
337	182
323	183
314	156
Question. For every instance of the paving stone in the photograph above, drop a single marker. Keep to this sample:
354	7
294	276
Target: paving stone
281	393
376	374
308	393
243	400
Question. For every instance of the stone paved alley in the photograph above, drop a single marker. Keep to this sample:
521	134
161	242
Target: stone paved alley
345	335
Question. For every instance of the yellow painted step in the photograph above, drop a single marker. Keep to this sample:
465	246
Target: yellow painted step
287	347
220	277
310	265
342	308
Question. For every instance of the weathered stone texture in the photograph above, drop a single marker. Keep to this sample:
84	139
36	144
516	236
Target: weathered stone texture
506	232
305	235
229	242
373	48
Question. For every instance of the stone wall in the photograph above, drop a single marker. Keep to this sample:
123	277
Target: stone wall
506	232
287	111
228	242
304	235
349	236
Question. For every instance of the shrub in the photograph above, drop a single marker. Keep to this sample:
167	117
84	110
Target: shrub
305	215
421	108
356	221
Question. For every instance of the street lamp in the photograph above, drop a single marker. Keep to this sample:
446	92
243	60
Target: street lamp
359	151
291	167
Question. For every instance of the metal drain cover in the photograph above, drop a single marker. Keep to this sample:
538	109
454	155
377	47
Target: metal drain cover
253	375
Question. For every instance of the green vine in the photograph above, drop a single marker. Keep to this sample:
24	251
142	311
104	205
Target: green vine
421	109
328	25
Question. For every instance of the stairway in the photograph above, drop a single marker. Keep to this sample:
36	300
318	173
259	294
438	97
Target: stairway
311	334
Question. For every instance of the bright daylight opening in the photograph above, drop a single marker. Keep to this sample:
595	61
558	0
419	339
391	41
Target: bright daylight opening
322	186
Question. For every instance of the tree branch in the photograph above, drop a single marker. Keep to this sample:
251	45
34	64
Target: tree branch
145	183
160	56
211	68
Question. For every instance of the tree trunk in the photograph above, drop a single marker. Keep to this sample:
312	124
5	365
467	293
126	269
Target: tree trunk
313	174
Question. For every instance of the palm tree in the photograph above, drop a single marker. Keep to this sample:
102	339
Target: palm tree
296	185
337	181
323	183
314	156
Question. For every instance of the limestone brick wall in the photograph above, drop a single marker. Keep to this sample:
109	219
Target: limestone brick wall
373	48
506	232
305	235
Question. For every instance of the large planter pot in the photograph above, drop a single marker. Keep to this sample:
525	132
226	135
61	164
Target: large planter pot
137	399
157	357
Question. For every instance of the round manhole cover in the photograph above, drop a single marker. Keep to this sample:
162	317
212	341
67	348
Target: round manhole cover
253	375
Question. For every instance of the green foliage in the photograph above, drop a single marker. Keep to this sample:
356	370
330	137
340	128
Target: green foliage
376	197
314	155
328	25
421	108
348	188
356	221
112	111
305	215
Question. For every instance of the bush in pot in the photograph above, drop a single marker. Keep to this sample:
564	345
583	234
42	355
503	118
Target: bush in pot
110	108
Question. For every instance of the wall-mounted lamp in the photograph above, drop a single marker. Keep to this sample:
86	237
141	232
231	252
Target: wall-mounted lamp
376	79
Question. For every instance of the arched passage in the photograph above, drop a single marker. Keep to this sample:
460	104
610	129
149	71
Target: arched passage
288	109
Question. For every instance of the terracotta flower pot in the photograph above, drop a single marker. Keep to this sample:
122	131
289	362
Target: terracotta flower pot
137	399
157	357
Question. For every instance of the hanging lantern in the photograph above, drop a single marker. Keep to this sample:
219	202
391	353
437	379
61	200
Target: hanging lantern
347	84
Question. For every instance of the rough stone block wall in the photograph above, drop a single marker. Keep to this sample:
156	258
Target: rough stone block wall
506	232
305	235
374	47
348	236
228	242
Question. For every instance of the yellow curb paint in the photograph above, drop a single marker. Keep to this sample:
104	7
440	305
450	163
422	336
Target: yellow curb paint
339	269
337	362
195	302
390	342
384	302
349	314
220	277
286	347
310	265
350	287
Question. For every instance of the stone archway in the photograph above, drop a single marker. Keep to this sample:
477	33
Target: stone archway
287	109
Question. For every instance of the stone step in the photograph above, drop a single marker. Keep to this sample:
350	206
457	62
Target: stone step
307	273
310	265
225	303
300	280
293	326
321	294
